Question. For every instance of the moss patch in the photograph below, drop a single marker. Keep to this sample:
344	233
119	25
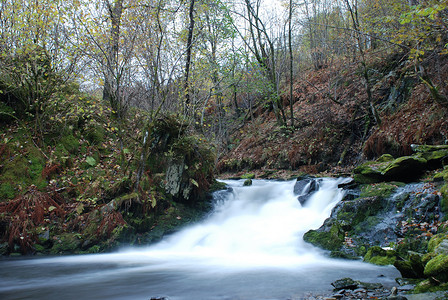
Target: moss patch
332	240
70	143
378	256
383	190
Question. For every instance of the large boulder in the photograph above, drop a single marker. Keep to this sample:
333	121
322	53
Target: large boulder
436	156
406	169
437	268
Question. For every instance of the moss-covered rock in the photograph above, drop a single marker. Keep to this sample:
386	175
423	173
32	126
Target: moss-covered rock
331	240
356	211
378	256
247	182
383	190
436	240
368	173
435	155
385	158
406	168
438	268
405	269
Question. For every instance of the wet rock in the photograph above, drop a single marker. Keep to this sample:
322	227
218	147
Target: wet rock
305	188
345	283
339	294
247	182
370	286
405	269
399	297
351	195
349	184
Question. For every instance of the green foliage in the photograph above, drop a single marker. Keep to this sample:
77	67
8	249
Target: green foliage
20	171
7	191
248	176
91	161
70	143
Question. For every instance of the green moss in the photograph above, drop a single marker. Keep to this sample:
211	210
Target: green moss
248	176
367	173
441	176
332	240
436	240
7	191
427	286
427	257
247	182
378	256
385	158
70	143
444	200
438	268
383	190
217	186
95	134
66	243
357	211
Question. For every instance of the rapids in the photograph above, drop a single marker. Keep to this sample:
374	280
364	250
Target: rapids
249	247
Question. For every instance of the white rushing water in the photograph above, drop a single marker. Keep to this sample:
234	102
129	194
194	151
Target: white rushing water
258	225
250	247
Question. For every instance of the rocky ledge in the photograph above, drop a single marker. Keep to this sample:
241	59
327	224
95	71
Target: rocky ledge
390	215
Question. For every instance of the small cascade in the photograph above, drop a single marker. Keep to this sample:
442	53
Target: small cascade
259	225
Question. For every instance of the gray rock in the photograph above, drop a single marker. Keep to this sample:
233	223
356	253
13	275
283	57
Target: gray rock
305	188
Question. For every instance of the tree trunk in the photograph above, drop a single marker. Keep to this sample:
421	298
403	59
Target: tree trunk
291	71
188	58
111	91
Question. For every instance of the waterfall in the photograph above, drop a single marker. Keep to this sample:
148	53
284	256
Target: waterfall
258	225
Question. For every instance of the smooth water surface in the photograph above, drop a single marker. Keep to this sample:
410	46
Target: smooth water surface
250	247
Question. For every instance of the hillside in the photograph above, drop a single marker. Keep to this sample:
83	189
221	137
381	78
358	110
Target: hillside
333	125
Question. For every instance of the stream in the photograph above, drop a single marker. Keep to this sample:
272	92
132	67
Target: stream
249	247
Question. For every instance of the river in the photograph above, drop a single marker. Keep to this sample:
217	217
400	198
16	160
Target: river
249	247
